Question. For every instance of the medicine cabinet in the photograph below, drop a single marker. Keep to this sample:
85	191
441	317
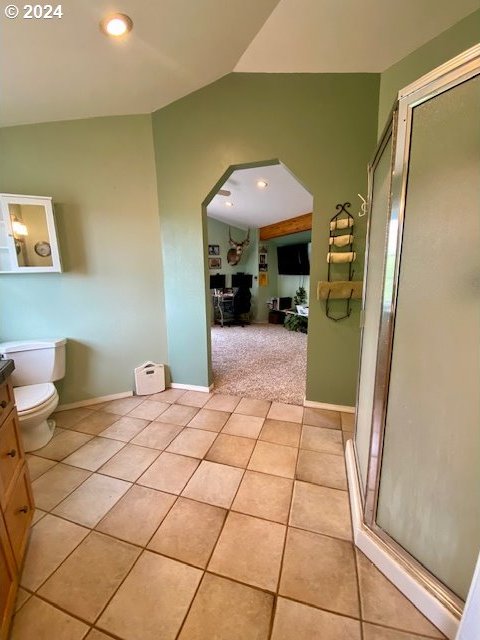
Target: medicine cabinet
28	238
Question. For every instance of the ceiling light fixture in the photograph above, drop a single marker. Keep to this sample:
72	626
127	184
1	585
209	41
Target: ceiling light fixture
228	203
262	184
116	25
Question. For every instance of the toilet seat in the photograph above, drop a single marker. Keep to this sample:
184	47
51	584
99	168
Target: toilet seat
30	397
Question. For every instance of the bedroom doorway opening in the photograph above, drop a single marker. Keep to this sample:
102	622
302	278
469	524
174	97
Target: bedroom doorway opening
258	222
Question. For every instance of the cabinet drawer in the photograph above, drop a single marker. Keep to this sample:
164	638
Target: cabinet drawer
6	400
11	454
18	515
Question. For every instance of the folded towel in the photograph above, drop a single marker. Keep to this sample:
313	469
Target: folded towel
341	241
341	223
342	256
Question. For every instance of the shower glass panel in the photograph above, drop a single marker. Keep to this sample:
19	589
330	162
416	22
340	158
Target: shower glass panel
429	484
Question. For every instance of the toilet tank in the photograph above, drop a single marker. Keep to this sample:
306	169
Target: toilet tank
35	361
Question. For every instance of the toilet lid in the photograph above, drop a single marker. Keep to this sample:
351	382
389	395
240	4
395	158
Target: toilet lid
32	395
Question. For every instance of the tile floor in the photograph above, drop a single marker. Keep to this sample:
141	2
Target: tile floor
198	516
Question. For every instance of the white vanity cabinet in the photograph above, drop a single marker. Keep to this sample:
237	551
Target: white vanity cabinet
28	238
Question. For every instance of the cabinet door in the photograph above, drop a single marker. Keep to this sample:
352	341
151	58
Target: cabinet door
18	515
8	582
11	455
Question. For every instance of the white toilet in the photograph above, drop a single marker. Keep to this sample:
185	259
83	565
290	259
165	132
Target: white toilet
37	364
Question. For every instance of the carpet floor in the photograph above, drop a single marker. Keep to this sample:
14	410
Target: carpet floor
263	361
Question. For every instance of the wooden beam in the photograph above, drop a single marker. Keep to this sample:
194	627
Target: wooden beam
285	227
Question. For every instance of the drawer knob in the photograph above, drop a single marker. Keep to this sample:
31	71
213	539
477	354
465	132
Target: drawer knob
3	404
12	453
24	509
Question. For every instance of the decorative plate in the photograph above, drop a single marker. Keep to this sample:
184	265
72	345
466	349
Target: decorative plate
43	249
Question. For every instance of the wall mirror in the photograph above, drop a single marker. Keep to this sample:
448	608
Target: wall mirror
28	238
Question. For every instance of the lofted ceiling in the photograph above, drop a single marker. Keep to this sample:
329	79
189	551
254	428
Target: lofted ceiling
283	198
60	69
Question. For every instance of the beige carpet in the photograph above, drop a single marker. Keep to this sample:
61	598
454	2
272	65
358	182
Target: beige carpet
260	361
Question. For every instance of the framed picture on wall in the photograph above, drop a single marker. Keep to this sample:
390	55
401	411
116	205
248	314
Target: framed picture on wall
262	258
262	279
263	267
213	249
214	263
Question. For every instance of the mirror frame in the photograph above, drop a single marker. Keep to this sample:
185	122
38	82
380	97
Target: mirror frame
7	199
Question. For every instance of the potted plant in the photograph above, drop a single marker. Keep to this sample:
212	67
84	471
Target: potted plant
295	322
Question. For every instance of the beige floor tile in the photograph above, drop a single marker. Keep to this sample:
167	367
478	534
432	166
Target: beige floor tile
37	466
63	445
192	442
67	419
157	435
383	603
93	454
21	599
38	620
223	402
214	483
327	469
281	432
231	450
321	418
90	502
286	412
299	621
189	532
209	420
178	414
95	634
123	406
347	421
169	395
169	472
149	410
226	610
252	407
137	515
37	516
125	428
242	425
55	485
96	422
264	496
321	509
195	398
274	459
249	550
372	632
320	439
51	540
84	583
320	571
153	600
130	462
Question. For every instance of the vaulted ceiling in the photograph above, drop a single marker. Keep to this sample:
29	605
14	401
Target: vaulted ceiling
64	68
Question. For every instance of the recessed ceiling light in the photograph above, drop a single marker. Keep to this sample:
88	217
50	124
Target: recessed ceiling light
116	25
262	184
228	203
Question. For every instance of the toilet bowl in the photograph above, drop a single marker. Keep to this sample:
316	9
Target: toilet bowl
37	364
35	403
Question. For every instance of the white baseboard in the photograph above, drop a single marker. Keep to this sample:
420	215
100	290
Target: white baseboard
329	407
191	387
371	546
98	400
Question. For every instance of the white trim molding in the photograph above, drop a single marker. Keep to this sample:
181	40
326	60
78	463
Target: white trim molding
191	387
329	407
98	400
377	552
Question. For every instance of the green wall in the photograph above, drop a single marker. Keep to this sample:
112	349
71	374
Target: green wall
323	127
109	300
450	43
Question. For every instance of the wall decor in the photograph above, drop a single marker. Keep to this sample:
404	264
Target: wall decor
263	267
213	249
262	279
214	263
235	253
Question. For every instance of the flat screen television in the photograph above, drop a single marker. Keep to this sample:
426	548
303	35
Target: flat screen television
243	280
293	260
217	281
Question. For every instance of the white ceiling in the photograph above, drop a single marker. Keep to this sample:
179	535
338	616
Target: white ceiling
61	69
347	35
66	68
252	207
